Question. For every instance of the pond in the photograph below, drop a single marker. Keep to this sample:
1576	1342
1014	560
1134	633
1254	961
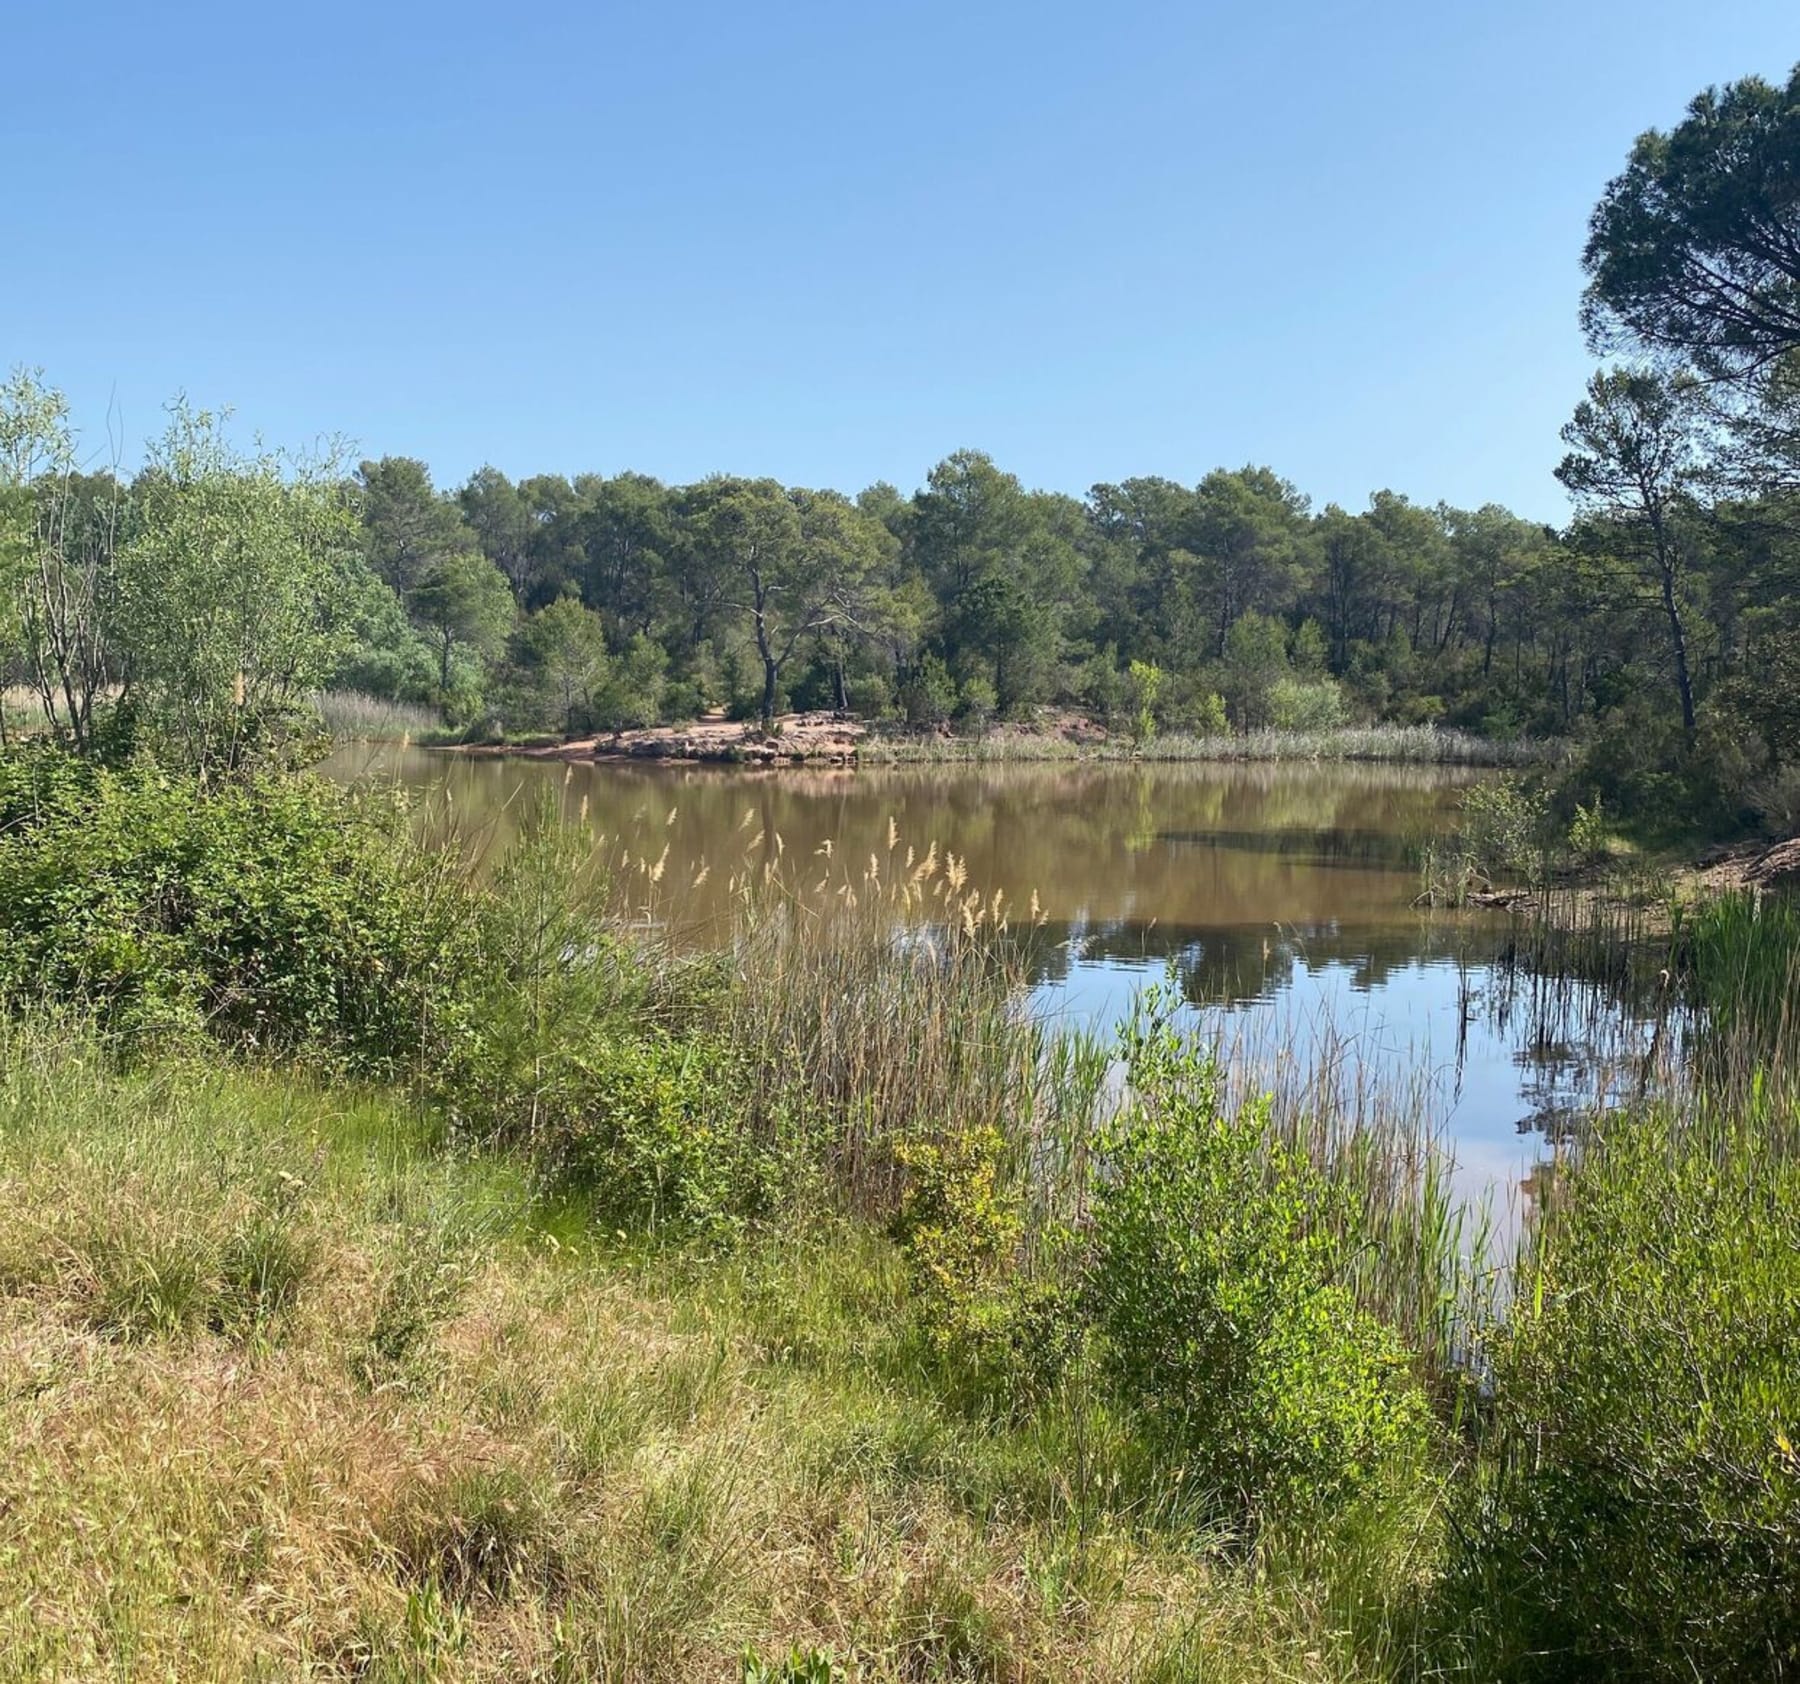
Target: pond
1279	899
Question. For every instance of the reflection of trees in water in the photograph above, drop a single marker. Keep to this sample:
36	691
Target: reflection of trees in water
1580	1044
1195	845
1243	964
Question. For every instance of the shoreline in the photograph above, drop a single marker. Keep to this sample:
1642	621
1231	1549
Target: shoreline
823	739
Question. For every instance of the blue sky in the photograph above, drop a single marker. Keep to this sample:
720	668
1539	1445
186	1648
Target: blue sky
835	242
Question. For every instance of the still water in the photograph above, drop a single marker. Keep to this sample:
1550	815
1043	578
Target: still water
1278	900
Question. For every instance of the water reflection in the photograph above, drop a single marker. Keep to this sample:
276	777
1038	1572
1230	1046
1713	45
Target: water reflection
1277	899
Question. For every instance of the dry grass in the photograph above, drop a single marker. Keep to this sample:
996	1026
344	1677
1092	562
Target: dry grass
466	1441
1423	745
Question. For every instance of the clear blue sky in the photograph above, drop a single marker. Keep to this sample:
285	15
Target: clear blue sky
834	242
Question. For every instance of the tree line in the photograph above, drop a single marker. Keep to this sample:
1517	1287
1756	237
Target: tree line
1660	627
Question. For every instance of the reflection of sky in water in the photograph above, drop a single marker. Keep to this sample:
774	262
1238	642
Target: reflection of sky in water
1282	898
1498	1076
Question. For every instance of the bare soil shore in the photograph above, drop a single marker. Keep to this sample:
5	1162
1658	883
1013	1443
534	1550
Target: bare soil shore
797	739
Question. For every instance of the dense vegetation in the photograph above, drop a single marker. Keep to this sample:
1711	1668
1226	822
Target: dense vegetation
414	1271
1660	628
804	1294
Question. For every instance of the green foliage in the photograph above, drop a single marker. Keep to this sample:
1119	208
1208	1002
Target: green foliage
634	693
280	914
1216	1283
1255	658
560	657
1644	1519
461	603
798	1666
234	590
962	1225
929	695
1301	704
1503	828
1691	247
1143	690
1589	832
977	701
1738	955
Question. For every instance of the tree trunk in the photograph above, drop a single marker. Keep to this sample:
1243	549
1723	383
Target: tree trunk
771	676
1678	646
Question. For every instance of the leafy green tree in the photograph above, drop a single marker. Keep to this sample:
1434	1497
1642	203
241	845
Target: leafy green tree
1635	462
1143	689
1003	565
1255	658
634	690
409	526
59	535
233	588
461	603
493	510
560	653
1247	530
799	561
1694	249
624	534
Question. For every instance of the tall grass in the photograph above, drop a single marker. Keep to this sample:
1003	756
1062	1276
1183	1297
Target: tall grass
576	1464
1401	744
324	1374
352	717
885	1001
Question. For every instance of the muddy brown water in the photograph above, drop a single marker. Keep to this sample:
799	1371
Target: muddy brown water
1278	899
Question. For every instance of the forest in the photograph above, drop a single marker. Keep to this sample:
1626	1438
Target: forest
1658	630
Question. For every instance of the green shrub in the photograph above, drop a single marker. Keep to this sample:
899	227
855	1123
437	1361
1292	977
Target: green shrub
1589	831
1503	828
1305	704
279	914
1642	1520
1216	1285
869	696
961	1226
661	1132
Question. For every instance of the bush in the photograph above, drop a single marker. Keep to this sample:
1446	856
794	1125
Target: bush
279	914
1216	1286
977	702
658	1130
928	697
1305	704
1504	828
960	1226
869	696
1643	1520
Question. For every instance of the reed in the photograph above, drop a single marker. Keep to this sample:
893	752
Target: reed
350	716
1422	745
